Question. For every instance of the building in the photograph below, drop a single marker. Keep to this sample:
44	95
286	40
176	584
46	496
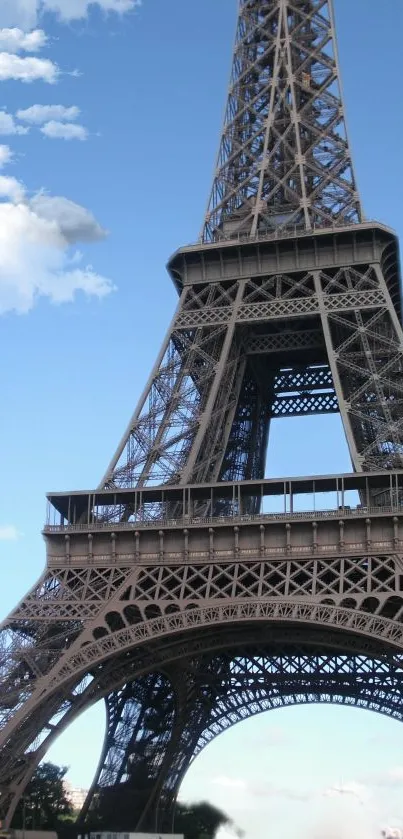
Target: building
76	795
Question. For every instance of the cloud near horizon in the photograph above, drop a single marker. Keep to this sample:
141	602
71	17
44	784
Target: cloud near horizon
392	778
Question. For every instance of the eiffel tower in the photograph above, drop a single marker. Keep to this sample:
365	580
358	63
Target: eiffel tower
174	591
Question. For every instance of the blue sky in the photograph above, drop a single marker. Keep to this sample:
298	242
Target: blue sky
96	191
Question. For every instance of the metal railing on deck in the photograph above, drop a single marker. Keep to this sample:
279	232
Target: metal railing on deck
189	521
289	233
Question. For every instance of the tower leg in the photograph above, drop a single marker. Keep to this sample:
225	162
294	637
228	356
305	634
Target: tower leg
154	725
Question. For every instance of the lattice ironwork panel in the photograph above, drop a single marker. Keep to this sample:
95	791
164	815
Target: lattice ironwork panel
213	692
300	392
260	330
284	160
305	405
284	342
365	350
195	418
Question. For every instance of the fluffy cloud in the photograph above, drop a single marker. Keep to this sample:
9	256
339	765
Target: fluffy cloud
64	130
11	188
8	533
25	13
9	126
34	250
55	121
37	233
396	775
392	778
38	114
16	40
6	155
22	13
75	222
28	69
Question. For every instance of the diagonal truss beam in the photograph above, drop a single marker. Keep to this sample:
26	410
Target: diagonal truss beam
284	160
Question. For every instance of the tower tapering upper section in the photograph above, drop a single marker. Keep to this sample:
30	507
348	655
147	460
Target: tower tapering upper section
284	160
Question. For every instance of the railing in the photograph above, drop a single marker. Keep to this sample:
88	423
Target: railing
202	521
295	232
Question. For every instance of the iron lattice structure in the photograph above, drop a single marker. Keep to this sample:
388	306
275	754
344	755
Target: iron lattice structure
284	160
177	591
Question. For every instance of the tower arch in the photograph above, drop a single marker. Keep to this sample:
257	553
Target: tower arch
169	587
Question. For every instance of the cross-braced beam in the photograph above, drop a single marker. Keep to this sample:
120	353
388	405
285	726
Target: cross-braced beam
222	689
171	590
345	354
284	160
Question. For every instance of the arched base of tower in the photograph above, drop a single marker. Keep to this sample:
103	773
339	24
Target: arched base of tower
158	724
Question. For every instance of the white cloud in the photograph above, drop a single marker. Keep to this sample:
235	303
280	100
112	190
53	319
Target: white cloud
392	778
75	9
34	253
16	40
64	130
11	188
6	155
9	126
25	13
38	114
55	121
75	222
27	69
8	533
22	13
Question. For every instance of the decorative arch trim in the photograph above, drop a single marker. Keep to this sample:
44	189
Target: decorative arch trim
81	660
279	611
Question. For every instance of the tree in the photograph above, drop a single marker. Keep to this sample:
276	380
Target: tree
201	821
45	803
